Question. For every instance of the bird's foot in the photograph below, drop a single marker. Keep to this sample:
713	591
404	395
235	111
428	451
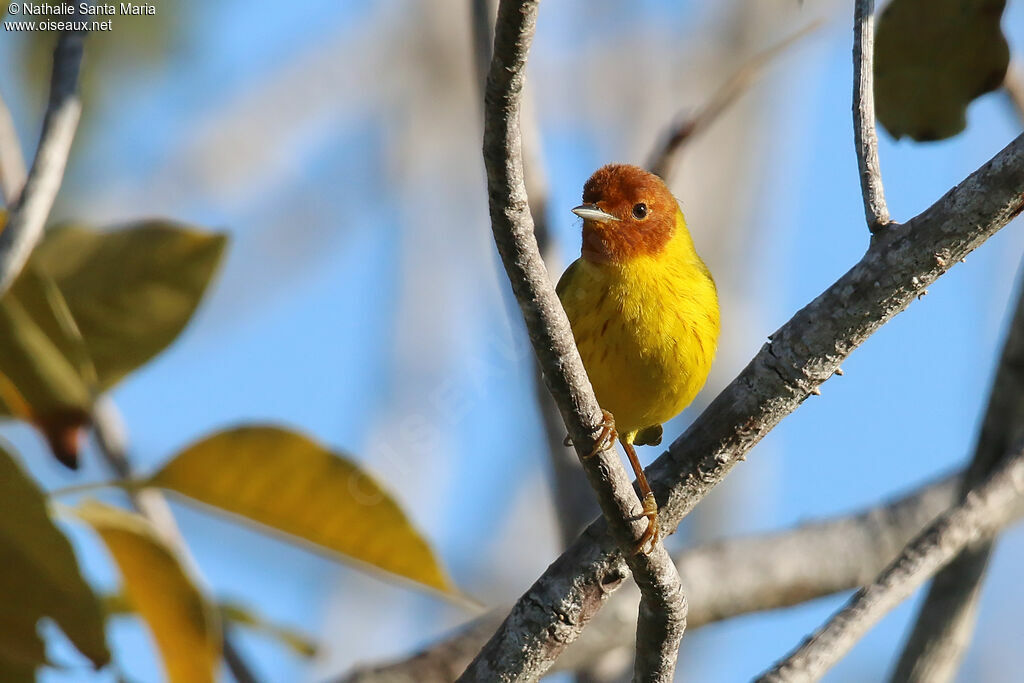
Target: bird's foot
651	535
607	436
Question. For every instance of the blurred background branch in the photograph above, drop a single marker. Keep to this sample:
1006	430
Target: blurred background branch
12	163
27	217
982	513
945	621
664	158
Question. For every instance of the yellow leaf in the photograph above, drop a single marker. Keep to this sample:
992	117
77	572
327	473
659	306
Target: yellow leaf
932	58
284	480
130	291
185	629
39	577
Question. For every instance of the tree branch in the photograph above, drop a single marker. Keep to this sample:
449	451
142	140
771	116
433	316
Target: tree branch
662	616
944	624
28	215
864	133
151	504
984	511
723	579
663	158
899	264
12	163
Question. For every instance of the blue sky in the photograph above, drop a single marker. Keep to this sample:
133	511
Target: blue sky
361	301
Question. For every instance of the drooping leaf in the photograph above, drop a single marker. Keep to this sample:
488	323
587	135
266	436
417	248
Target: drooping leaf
300	643
130	291
39	577
185	628
286	481
932	58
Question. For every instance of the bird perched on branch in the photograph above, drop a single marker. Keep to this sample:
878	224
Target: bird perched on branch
643	309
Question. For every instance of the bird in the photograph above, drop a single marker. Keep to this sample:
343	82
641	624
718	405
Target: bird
644	313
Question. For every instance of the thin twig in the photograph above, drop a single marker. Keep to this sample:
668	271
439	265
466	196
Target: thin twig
864	133
900	263
12	162
946	619
663	608
985	510
664	157
27	217
151	504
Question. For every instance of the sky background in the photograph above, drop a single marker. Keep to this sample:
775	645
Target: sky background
362	302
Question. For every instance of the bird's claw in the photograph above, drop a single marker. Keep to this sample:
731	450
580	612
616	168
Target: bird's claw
607	436
651	534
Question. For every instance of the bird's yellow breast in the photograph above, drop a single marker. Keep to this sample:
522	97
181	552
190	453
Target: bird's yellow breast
646	330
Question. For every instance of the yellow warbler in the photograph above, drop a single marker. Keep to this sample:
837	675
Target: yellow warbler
643	309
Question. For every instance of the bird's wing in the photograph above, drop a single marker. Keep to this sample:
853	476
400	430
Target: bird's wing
565	282
649	436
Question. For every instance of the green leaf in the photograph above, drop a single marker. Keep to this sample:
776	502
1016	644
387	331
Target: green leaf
286	481
300	643
932	58
40	578
41	353
131	291
185	628
89	308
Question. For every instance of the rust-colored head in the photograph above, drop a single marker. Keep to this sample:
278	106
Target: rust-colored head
627	212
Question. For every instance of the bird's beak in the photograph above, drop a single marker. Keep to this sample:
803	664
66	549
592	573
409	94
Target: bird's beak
590	212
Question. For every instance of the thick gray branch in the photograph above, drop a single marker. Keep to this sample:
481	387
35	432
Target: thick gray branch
28	215
899	264
985	510
664	612
864	133
945	622
723	580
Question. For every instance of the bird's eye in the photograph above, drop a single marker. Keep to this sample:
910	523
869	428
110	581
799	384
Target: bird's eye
640	211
